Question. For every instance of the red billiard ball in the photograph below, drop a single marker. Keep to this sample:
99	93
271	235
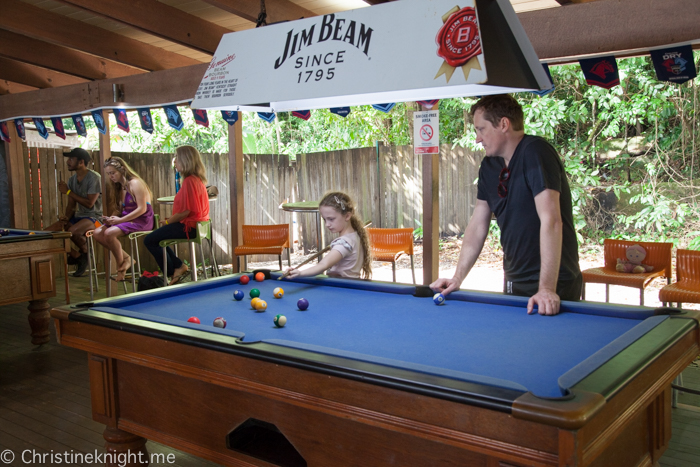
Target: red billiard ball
220	323
245	280
194	320
260	276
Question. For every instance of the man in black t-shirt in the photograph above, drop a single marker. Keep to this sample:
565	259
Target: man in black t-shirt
523	183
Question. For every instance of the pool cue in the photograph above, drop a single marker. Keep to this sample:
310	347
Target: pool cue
307	260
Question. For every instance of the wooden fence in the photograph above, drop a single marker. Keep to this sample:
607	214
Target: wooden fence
385	182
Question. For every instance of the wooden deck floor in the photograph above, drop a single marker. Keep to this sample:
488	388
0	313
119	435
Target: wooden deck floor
45	399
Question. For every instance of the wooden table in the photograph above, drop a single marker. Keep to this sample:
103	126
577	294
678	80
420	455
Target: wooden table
28	273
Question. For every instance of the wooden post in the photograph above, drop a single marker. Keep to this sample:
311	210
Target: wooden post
431	217
104	154
16	179
236	179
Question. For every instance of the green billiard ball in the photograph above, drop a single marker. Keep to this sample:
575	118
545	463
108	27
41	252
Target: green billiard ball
254	293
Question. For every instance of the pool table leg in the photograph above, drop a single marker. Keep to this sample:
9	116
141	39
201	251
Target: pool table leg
121	442
39	320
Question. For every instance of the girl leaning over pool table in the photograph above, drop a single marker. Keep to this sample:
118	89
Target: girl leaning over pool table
350	256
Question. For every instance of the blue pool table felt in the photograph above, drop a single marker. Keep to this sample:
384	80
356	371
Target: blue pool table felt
494	342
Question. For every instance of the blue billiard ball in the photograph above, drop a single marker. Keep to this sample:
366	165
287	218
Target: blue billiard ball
238	295
439	299
303	304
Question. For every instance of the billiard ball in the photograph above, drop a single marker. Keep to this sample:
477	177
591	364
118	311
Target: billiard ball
238	295
254	301
260	276
302	304
254	293
260	305
244	280
280	321
4	232
194	320
278	292
439	299
220	322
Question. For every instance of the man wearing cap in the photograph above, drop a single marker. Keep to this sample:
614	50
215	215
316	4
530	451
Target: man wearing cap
84	207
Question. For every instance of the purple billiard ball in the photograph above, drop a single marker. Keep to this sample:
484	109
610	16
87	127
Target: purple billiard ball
303	304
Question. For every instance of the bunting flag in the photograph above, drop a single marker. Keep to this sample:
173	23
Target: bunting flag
79	125
40	127
229	116
544	92
4	132
122	119
428	105
601	71
303	114
58	127
174	118
383	107
201	117
675	65
145	119
342	111
21	131
269	117
99	121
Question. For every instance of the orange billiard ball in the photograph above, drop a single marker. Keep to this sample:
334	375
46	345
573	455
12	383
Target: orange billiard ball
260	276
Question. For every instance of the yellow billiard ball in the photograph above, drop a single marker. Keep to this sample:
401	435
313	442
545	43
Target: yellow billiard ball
260	305
278	292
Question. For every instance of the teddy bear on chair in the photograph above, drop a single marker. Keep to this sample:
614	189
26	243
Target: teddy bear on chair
635	255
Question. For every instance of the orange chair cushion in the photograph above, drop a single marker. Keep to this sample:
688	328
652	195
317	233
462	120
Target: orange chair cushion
612	277
682	292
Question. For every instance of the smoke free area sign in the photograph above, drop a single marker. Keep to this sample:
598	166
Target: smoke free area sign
426	132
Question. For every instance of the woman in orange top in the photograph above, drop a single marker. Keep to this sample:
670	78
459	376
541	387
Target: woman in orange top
191	206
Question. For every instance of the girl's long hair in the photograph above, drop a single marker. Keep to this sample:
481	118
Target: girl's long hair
191	163
342	203
114	189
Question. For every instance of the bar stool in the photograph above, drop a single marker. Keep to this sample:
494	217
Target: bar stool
202	231
92	263
134	246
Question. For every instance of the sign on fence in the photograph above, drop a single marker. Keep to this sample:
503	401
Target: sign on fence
426	132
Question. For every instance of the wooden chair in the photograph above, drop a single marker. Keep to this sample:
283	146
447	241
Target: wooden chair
686	289
658	255
263	240
389	244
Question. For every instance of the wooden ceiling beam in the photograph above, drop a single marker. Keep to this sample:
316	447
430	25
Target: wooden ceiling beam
26	19
34	76
610	26
10	88
147	90
160	20
57	58
277	10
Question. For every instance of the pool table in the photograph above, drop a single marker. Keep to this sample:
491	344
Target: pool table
28	273
375	373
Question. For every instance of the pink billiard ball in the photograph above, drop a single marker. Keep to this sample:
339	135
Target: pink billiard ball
194	320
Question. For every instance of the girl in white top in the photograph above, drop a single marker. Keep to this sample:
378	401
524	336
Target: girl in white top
350	255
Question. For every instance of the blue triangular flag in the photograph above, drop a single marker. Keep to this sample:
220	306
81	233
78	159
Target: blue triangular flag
99	121
303	114
145	119
21	131
122	119
4	132
269	117
58	127
79	125
428	104
675	64
383	107
544	92
40	127
201	117
601	71
342	111
174	118
229	116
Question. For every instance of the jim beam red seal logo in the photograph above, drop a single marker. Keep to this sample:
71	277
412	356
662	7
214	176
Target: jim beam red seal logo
459	42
